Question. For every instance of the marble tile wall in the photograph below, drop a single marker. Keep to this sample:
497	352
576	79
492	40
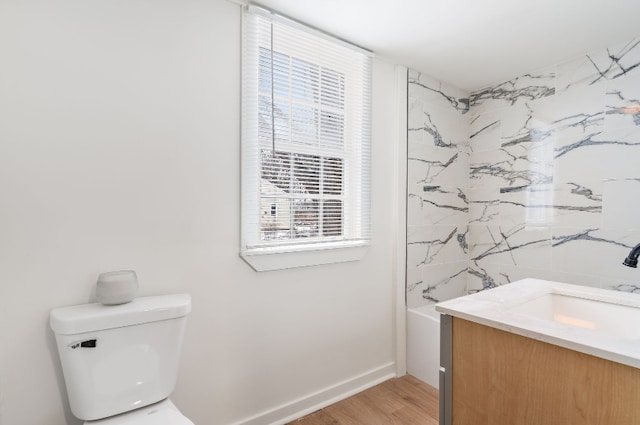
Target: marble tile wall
554	174
437	203
538	176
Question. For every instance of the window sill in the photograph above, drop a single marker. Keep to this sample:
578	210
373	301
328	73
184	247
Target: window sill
288	257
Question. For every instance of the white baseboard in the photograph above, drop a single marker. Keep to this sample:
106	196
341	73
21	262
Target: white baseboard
303	406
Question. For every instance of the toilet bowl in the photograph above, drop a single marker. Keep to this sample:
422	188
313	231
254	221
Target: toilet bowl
120	362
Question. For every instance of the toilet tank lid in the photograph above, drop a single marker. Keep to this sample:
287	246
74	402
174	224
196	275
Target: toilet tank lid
95	316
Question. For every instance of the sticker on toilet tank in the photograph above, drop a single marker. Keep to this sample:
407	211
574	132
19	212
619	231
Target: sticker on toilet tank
87	343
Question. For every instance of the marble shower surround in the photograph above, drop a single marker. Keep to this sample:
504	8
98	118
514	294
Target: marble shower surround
437	198
551	188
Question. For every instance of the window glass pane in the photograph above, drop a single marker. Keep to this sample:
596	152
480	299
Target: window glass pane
282	120
305	218
275	219
264	120
331	129
276	169
306	172
332	181
332	218
304	125
264	70
305	80
285	177
332	93
281	71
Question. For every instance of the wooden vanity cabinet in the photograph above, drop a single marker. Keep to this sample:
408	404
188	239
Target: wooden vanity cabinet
494	377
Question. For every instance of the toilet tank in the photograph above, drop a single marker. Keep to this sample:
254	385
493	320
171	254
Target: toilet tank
120	358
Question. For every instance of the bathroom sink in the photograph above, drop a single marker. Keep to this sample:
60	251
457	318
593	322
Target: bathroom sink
594	321
598	315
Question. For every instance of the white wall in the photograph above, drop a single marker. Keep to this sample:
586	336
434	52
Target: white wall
119	148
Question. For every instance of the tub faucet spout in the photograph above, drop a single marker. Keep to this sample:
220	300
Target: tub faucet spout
632	258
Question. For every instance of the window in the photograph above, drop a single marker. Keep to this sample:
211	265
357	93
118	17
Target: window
305	145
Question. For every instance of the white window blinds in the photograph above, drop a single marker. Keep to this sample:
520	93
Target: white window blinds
305	137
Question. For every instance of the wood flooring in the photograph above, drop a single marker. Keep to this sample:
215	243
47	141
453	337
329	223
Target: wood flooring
399	401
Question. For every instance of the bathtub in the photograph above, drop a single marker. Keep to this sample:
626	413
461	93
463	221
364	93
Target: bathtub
423	344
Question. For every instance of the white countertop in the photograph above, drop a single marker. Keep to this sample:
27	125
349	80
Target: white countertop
499	308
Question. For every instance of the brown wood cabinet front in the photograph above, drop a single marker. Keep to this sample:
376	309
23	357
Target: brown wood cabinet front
500	378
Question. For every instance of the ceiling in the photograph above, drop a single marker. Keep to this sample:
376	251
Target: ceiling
471	43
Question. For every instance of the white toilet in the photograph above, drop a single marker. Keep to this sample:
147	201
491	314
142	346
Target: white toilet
120	362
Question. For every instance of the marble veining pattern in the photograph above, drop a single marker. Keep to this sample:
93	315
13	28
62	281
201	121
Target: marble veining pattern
510	166
485	132
590	140
437	205
592	157
437	180
484	275
546	183
484	206
520	245
440	93
600	66
631	287
441	167
563	163
436	244
444	281
555	116
431	129
547	205
520	89
623	103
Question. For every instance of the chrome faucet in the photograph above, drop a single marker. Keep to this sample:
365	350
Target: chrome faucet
632	258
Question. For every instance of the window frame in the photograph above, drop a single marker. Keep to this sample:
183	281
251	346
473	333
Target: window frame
300	252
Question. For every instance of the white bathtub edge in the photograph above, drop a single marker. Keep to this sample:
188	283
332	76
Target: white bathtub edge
423	344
